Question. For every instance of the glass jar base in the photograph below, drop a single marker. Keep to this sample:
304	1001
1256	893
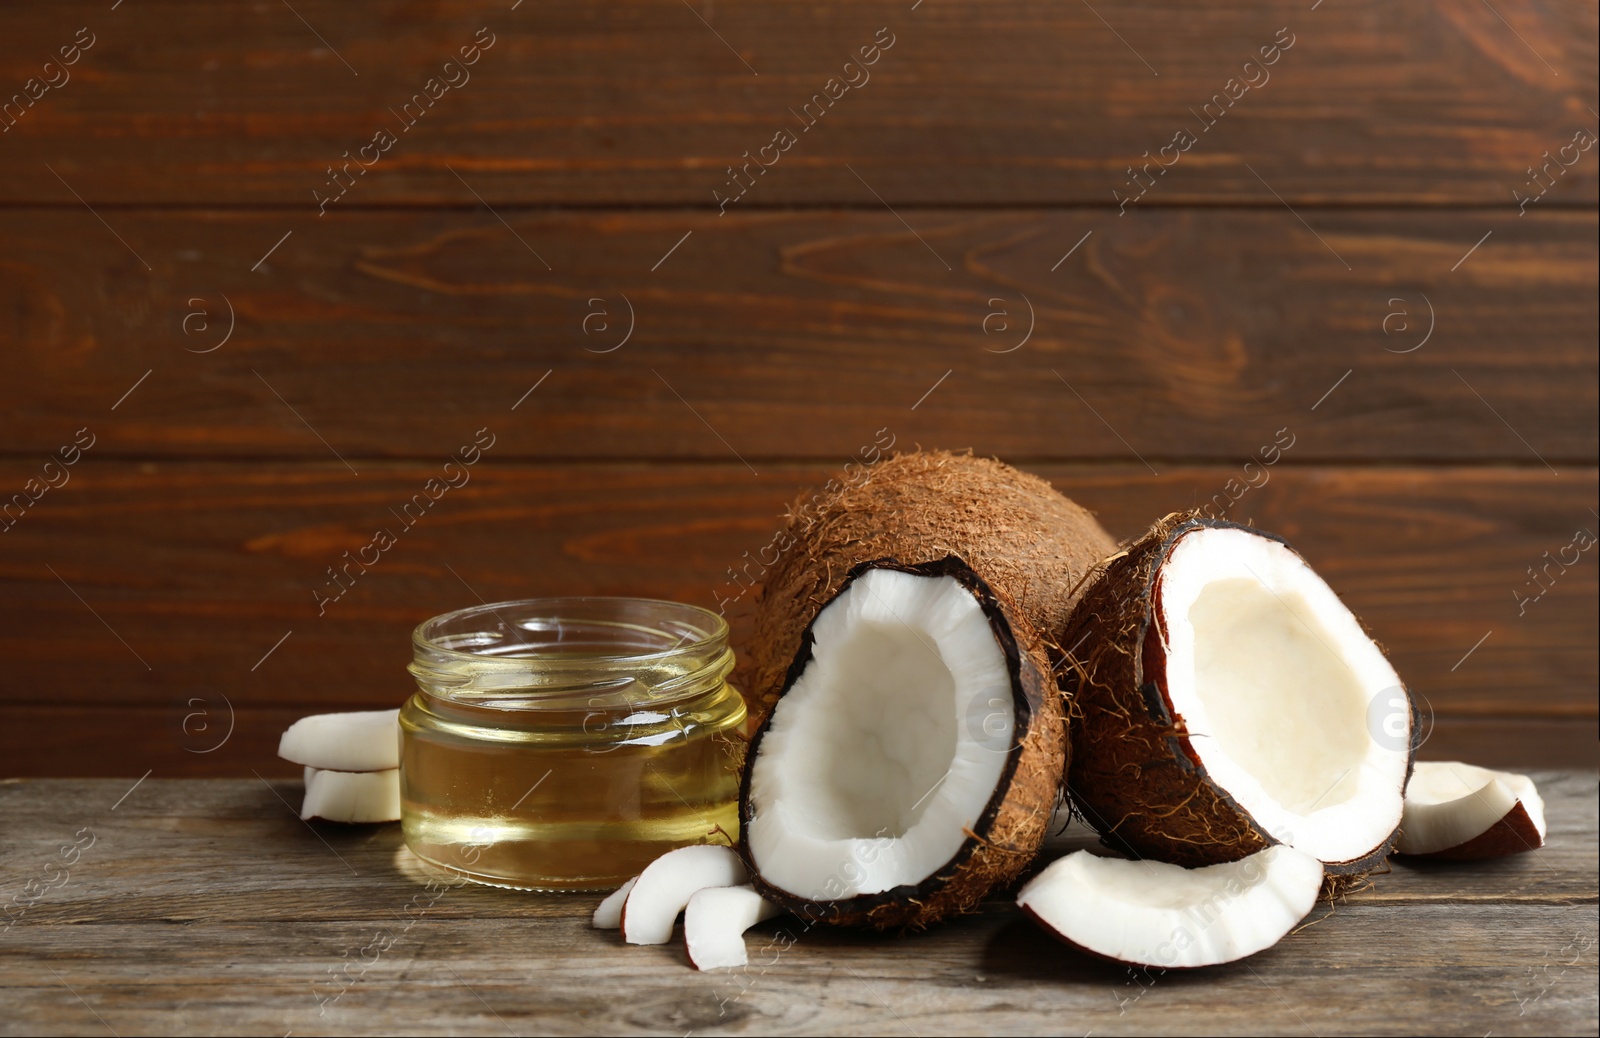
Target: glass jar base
561	857
566	885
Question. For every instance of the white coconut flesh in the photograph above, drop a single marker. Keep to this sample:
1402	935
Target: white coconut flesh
1151	913
608	913
1291	707
366	740
714	923
885	750
665	886
352	796
1449	803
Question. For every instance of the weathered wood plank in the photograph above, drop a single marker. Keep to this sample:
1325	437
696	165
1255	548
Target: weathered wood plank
1515	742
326	871
1429	558
1397	970
201	569
1170	335
1030	102
158	928
197	736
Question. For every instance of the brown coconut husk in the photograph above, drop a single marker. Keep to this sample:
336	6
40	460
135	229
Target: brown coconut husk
1133	775
1007	835
1019	533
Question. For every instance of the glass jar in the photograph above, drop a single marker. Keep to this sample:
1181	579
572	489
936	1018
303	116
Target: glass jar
565	743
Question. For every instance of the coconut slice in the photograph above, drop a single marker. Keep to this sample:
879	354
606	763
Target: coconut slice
912	762
715	921
608	914
1462	812
1150	913
664	888
352	796
367	740
1230	702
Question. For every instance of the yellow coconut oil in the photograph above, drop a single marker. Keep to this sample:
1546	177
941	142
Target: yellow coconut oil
564	744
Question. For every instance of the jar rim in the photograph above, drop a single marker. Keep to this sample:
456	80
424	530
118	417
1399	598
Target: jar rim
712	628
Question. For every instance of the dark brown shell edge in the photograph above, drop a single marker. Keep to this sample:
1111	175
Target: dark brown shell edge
1008	833
1134	776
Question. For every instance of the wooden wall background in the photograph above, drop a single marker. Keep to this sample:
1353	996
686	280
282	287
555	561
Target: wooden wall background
1342	255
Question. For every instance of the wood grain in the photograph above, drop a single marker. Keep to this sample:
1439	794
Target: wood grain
248	811
196	735
1166	335
157	928
1514	742
647	102
270	358
197	570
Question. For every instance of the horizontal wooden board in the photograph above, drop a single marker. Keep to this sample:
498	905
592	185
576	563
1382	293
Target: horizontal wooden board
1163	335
203	735
156	927
207	821
647	102
169	585
1512	742
1411	969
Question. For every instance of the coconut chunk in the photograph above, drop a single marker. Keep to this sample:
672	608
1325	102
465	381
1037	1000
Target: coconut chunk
608	914
1459	811
1155	914
715	921
352	796
665	886
367	740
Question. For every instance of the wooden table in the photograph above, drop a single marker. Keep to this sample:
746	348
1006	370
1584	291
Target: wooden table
206	907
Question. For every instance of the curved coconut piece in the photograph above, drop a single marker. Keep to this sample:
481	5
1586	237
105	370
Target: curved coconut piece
366	740
1150	913
913	760
1460	812
1017	531
608	913
1226	700
665	886
715	921
352	796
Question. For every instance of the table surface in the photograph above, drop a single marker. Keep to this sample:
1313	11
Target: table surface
207	906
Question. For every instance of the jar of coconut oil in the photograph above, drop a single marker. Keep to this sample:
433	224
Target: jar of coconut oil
565	743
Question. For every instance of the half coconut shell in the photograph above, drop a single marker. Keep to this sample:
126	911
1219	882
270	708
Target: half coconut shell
913	758
1225	700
